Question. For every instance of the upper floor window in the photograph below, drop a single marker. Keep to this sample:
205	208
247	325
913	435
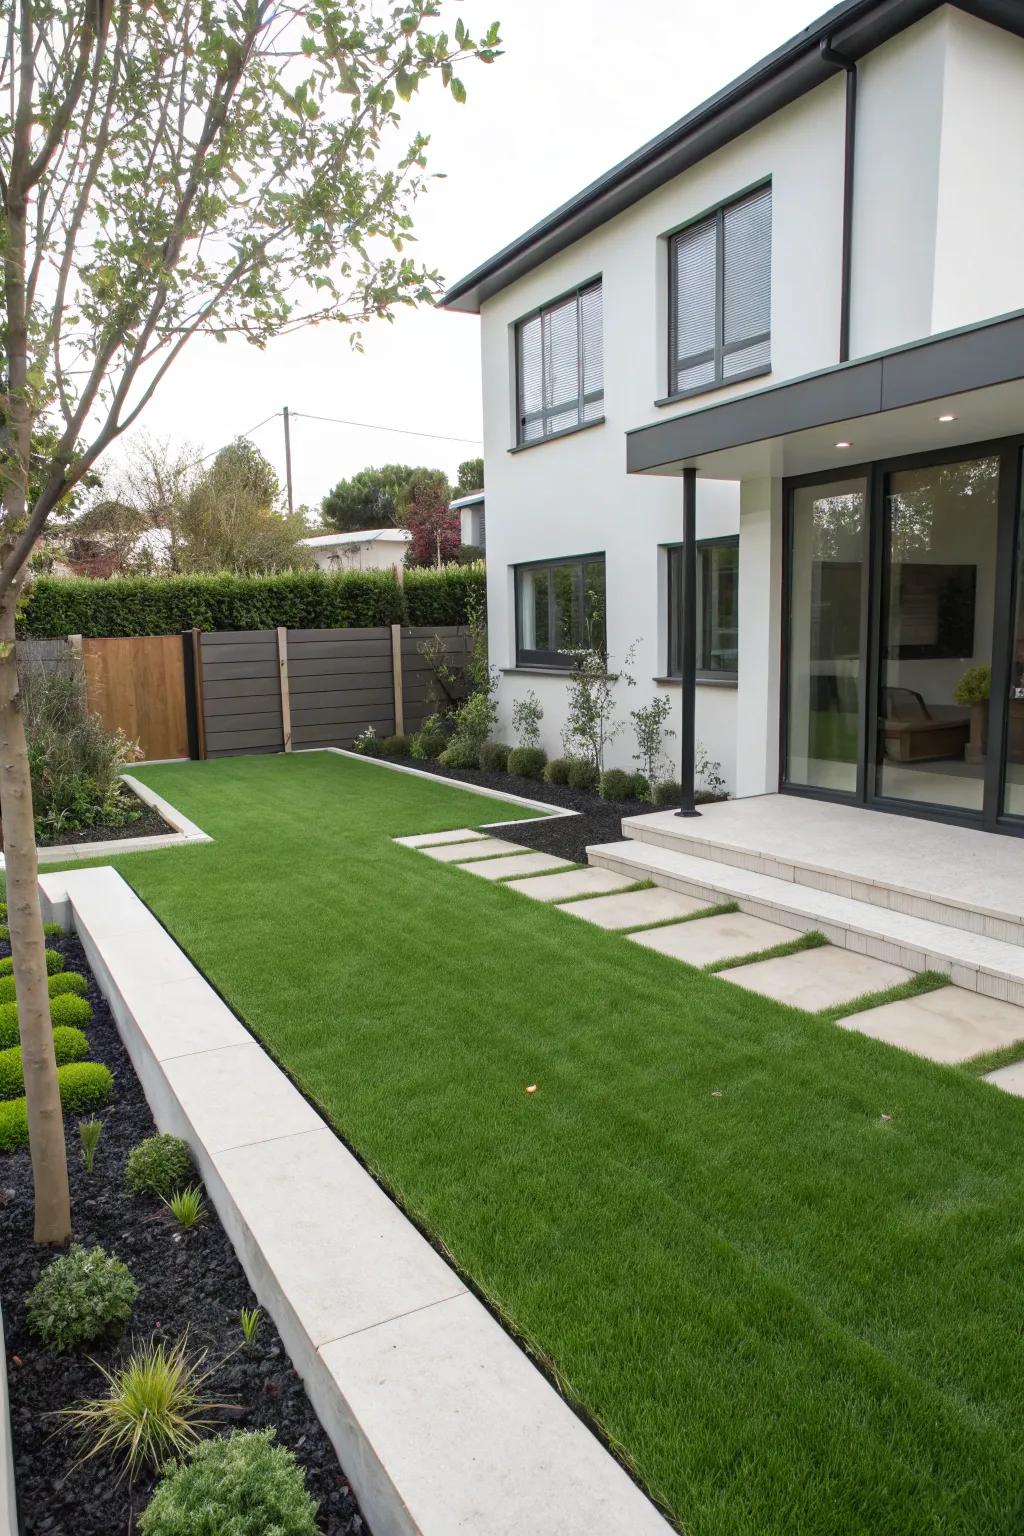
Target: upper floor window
718	618
560	366
720	296
560	608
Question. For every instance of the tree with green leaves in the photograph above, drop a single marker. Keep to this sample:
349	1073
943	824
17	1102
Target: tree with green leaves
224	168
232	519
470	477
375	498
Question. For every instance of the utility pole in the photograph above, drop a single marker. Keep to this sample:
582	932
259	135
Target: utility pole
288	457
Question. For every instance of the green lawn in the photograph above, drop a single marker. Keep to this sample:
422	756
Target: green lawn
792	1314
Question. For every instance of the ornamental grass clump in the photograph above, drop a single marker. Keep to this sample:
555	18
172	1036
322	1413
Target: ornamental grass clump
160	1165
242	1486
81	1297
187	1207
153	1411
89	1133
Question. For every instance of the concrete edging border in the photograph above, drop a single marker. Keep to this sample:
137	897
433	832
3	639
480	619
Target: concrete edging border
8	1500
474	789
185	832
439	1419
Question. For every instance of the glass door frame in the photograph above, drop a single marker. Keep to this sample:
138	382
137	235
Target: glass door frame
1010	452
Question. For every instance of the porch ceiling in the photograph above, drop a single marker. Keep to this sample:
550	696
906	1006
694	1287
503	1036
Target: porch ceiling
882	406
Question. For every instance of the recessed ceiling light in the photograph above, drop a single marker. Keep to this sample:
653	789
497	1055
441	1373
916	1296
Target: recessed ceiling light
948	417
844	445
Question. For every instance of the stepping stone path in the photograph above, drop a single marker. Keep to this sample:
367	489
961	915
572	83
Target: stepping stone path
949	1024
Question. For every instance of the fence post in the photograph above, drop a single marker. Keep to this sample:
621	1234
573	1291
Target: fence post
198	691
286	707
396	678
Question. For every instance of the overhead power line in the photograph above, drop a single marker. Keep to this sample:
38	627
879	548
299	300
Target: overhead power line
371	426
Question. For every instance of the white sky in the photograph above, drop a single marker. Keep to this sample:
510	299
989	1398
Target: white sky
582	83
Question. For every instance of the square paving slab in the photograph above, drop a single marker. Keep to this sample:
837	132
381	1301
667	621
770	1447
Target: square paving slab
438	839
946	1025
1009	1079
525	864
482	848
708	939
818	978
574	882
632	909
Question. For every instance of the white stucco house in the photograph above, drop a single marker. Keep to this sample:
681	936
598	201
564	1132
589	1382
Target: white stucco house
472	518
796	316
367	549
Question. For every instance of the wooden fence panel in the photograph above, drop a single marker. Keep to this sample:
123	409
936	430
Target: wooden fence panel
137	685
241	666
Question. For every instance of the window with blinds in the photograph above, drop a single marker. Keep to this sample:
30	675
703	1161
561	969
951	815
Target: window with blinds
720	296
560	366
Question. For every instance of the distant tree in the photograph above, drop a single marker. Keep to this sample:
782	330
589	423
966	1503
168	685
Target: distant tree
231	519
436	530
470	477
374	498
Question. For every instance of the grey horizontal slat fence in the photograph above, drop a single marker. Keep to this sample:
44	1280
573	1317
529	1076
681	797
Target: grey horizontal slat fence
275	690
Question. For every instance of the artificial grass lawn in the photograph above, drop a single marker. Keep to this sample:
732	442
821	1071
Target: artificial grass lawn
793	1313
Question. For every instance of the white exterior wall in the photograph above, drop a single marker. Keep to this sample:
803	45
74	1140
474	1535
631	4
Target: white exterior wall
375	555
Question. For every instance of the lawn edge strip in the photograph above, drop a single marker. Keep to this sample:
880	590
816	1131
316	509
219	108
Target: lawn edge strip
723	909
811	940
991	1061
924	981
619	890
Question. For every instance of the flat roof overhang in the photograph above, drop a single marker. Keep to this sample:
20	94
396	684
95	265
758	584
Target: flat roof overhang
883	406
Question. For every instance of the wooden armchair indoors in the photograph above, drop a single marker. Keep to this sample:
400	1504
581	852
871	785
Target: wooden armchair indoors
913	734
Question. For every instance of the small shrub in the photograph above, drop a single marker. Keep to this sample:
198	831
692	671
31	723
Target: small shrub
557	771
527	714
187	1207
160	1165
528	762
710	774
13	1125
84	1086
242	1486
975	686
650	723
153	1411
80	1297
68	1045
614	784
368	743
64	981
394	746
667	792
459	754
639	787
67	1008
583	775
430	740
250	1319
89	1133
50	931
494	756
54	963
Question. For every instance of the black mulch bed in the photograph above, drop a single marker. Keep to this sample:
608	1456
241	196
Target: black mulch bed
149	823
599	821
186	1280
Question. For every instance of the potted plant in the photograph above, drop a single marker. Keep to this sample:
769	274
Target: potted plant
973	690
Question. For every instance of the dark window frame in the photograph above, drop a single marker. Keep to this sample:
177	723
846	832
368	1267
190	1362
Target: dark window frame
673	658
582	399
721	348
557	660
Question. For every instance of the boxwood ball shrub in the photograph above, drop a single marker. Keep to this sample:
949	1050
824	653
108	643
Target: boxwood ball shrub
459	754
667	792
494	756
557	771
615	784
67	1009
394	746
242	1486
68	1045
84	1086
583	775
639	787
528	762
160	1165
63	981
80	1297
54	963
50	931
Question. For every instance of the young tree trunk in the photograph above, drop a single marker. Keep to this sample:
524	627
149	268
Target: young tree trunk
45	1121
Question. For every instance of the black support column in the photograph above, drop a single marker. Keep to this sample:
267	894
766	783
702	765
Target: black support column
689	657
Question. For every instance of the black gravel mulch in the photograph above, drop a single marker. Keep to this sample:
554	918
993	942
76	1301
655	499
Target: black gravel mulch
149	823
187	1280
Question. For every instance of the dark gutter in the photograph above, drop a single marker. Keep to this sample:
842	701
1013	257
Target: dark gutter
853	28
975	357
843	61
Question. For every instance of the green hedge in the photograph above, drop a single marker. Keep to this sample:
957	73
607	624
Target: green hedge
154	605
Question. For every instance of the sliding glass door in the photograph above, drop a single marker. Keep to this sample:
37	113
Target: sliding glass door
903	638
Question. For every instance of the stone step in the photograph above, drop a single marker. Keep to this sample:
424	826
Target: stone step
971	960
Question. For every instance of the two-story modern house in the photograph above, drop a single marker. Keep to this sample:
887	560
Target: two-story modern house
806	299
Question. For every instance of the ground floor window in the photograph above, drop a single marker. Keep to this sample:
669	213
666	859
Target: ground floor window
560	608
718	573
904	634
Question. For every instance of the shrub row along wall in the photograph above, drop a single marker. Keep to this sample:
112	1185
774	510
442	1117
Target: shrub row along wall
265	691
153	605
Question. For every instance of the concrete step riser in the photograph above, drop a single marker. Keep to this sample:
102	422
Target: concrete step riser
885	897
1004	988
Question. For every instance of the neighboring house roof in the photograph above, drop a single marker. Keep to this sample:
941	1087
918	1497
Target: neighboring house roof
359	536
474	499
853	28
